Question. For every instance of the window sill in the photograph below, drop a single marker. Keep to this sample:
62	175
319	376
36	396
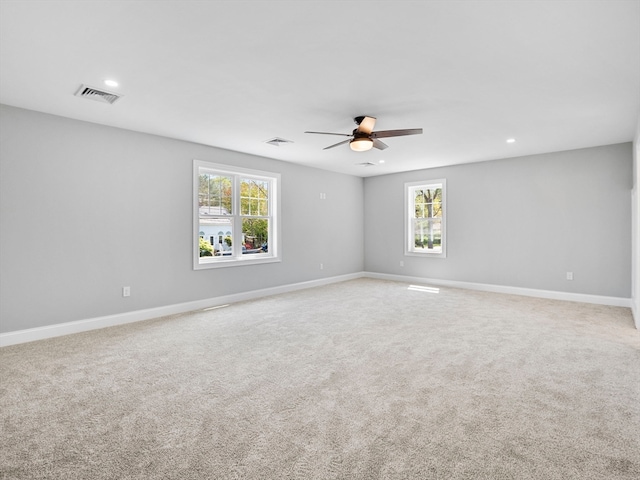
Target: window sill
426	254
234	262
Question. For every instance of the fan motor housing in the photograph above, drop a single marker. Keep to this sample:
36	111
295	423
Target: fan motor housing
357	134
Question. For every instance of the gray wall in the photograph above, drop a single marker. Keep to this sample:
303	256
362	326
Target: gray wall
520	222
87	209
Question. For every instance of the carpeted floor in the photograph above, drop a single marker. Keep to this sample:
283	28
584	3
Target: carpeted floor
366	379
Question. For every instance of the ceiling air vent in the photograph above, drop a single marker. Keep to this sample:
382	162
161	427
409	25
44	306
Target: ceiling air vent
366	164
98	95
276	142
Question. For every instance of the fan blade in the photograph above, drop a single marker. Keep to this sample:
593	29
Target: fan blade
335	145
329	133
396	133
378	144
366	125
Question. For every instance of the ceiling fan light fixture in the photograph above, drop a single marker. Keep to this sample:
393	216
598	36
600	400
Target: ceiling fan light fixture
361	144
364	138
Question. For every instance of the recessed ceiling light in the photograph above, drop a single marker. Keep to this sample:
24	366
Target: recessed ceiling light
511	140
380	161
111	83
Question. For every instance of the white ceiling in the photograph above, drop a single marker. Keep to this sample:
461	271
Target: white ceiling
554	75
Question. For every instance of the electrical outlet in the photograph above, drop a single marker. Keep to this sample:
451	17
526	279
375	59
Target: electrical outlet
322	266
126	291
402	263
569	275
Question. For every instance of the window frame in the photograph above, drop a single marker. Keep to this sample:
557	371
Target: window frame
409	206
237	258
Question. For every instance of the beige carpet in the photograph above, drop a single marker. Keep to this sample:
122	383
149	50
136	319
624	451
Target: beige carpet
364	379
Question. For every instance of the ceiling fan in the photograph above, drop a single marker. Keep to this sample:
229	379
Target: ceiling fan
364	138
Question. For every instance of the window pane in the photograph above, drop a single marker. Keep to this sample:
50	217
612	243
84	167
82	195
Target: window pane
216	236
254	195
255	232
263	208
214	194
428	202
437	203
427	233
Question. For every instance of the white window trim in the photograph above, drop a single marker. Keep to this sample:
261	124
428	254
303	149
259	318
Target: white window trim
237	259
408	216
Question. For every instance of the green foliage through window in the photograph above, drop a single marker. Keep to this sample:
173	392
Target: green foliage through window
206	249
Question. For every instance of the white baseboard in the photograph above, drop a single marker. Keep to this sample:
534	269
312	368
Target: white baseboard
50	331
529	292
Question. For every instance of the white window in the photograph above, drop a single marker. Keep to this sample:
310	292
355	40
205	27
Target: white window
425	232
235	216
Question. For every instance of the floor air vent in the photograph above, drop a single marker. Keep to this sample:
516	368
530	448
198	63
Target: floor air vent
98	95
